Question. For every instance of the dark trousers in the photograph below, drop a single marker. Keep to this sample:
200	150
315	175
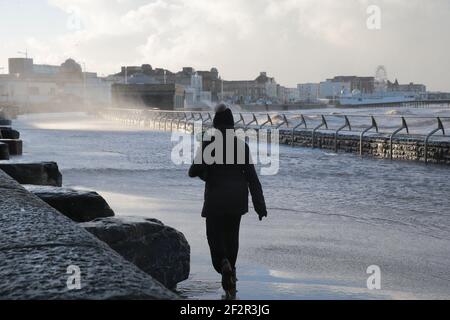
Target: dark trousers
223	239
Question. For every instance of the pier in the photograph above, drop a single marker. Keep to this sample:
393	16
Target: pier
409	104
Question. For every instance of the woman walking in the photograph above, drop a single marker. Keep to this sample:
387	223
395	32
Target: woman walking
228	181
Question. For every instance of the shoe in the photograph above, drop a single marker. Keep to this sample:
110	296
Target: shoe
228	282
233	290
234	276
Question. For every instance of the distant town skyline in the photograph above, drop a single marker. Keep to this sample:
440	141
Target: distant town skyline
296	41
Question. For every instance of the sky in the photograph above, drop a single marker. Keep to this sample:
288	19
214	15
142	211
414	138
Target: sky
295	41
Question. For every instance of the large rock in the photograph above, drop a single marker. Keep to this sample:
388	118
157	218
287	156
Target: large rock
9	133
159	250
5	122
4	151
15	146
78	205
39	246
42	173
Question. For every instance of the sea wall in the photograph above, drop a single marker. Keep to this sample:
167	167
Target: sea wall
41	250
403	147
410	148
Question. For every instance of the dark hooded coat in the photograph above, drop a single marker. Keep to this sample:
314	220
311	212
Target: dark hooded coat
228	184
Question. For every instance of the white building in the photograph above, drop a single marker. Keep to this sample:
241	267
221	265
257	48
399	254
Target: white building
40	86
293	94
16	91
308	91
288	95
331	89
36	92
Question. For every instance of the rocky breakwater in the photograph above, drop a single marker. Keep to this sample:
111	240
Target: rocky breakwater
36	173
78	205
9	133
47	231
4	122
155	248
158	250
44	255
4	151
10	138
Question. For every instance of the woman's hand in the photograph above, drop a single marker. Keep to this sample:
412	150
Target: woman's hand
262	215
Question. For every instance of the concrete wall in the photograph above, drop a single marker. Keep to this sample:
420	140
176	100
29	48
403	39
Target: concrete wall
38	244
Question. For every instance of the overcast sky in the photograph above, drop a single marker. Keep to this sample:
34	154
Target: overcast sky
295	41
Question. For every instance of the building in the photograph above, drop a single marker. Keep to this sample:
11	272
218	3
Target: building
19	92
362	84
411	87
330	89
40	86
193	84
212	83
250	91
159	96
308	91
287	95
20	66
187	78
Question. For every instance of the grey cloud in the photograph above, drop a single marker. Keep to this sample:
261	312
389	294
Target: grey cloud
294	40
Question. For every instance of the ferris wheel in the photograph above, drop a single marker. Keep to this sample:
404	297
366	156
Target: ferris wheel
381	74
381	79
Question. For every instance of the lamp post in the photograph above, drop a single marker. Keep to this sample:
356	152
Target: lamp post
25	53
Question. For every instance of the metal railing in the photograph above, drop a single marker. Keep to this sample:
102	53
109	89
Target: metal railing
382	125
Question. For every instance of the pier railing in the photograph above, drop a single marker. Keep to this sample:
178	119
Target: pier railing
423	128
